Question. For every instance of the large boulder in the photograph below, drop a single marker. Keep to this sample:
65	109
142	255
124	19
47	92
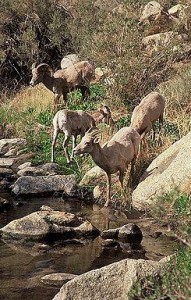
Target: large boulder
156	42
43	184
11	146
93	176
49	224
170	170
150	11
69	60
111	282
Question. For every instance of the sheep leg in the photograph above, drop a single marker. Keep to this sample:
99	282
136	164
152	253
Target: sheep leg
54	138
154	132
85	92
65	144
108	189
121	178
74	144
56	101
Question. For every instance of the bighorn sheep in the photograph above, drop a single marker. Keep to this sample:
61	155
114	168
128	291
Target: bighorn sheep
103	115
72	123
150	109
114	155
64	81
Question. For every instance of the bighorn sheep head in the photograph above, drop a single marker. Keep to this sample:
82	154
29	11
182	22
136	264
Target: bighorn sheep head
38	73
90	138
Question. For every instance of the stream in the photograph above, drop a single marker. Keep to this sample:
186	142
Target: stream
22	267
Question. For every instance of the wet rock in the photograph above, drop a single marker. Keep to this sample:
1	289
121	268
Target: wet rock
170	170
130	233
4	204
42	184
110	234
57	279
4	185
48	224
11	145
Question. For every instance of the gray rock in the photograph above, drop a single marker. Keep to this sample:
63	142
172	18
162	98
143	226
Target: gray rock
31	171
57	279
92	175
130	233
42	184
170	170
5	172
69	60
50	168
110	233
151	10
110	243
47	224
6	162
111	282
25	165
11	144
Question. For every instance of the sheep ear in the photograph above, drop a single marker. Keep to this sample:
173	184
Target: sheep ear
34	65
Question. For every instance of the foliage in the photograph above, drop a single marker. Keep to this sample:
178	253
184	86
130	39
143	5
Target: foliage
175	283
31	31
175	209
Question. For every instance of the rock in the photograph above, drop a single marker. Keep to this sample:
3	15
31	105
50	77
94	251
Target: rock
155	42
10	144
92	175
97	192
5	173
4	185
42	184
25	165
151	11
69	60
110	233
50	168
4	204
48	224
130	233
110	243
31	171
170	170
6	162
111	282
57	279
180	16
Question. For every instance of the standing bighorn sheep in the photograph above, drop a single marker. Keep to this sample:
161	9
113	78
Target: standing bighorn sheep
150	109
72	123
114	155
64	81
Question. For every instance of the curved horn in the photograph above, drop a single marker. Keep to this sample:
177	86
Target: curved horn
34	65
44	68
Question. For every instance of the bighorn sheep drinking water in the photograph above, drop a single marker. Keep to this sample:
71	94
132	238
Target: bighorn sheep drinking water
150	109
72	123
114	156
64	81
